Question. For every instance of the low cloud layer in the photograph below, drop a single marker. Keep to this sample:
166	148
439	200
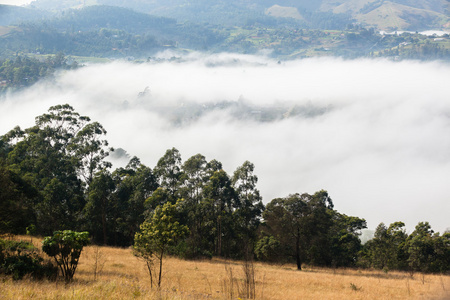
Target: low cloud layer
374	133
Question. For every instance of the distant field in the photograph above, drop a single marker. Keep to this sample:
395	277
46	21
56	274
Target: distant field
123	276
79	59
4	30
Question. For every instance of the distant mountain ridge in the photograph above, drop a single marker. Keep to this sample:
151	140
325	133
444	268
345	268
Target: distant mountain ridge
380	14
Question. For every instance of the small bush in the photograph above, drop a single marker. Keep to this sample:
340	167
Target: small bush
18	259
65	247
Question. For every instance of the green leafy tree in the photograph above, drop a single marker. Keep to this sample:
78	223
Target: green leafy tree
218	206
159	232
168	171
344	238
16	201
58	157
194	179
421	247
91	150
99	204
268	248
301	224
248	213
127	200
65	247
283	218
387	249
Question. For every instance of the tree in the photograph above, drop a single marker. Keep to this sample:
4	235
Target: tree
91	150
99	204
193	182
159	232
250	206
58	156
301	224
65	247
16	201
194	178
283	218
344	238
168	171
268	248
219	204
420	247
387	249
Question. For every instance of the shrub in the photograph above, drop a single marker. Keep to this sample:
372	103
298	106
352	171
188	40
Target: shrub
65	247
18	258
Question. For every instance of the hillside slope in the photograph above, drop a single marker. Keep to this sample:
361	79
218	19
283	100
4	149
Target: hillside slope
394	14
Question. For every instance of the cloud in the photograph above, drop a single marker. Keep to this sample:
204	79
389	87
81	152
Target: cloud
374	133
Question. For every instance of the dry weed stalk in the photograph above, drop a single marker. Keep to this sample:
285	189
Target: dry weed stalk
408	287
99	261
244	288
228	282
247	289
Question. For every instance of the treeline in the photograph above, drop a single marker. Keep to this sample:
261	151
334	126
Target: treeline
25	71
55	176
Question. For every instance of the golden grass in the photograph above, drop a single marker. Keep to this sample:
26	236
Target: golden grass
120	275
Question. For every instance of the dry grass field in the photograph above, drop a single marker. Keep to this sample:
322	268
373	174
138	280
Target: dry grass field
114	273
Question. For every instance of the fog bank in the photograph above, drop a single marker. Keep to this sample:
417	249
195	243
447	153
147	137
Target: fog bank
374	133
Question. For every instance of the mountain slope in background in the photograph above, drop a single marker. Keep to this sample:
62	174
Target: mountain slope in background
395	14
11	15
380	14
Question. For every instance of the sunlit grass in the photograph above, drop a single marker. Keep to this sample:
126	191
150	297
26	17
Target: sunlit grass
123	276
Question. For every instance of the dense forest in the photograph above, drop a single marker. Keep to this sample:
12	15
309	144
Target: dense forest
55	176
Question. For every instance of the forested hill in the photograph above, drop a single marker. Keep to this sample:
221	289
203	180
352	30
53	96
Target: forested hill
11	15
104	31
381	14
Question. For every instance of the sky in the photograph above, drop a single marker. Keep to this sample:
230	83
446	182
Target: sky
380	145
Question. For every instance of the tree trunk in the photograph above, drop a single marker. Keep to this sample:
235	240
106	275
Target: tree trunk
160	268
149	267
104	227
297	253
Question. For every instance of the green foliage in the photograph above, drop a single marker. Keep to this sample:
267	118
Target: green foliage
305	228
66	150
268	248
18	259
25	71
421	251
16	199
345	242
65	247
162	230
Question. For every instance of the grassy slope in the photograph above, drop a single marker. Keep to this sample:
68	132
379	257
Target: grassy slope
391	15
123	276
352	6
284	12
5	30
387	15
